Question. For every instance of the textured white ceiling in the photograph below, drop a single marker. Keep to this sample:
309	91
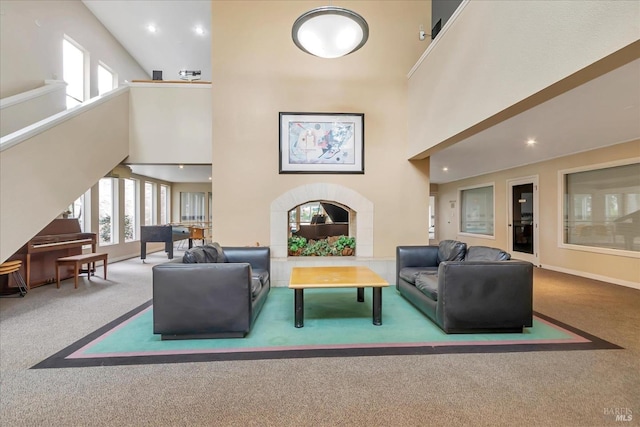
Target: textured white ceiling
602	112
174	46
173	173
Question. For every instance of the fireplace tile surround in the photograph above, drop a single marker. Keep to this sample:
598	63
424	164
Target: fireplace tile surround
361	222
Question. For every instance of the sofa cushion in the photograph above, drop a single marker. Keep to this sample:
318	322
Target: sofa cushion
260	274
259	278
204	254
256	286
411	273
485	253
427	283
451	250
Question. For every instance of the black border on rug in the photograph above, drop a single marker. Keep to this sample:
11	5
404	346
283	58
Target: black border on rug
59	360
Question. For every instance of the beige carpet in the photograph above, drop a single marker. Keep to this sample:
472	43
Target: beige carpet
573	388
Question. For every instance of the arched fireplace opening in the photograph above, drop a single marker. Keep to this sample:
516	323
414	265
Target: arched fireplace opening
321	228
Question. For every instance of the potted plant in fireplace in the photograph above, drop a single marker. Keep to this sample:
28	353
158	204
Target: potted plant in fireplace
345	246
296	244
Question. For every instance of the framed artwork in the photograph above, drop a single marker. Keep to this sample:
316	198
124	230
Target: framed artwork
321	143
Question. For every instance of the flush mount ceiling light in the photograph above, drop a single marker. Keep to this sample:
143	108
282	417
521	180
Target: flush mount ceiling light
330	32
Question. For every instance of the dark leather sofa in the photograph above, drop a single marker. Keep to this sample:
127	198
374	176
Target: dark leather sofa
210	297
462	290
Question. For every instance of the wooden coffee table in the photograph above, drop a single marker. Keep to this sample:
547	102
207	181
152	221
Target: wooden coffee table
336	277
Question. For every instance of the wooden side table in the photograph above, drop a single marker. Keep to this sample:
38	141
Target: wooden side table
77	261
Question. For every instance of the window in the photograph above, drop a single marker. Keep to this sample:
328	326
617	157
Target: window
432	217
476	210
602	207
164	204
150	216
75	210
107	190
130	209
192	207
73	71
106	79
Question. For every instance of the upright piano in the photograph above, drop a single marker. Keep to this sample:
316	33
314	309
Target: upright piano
166	234
60	238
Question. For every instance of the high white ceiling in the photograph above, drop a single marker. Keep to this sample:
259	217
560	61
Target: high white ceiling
174	173
602	112
174	46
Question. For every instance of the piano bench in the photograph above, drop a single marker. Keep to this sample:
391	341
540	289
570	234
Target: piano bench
77	261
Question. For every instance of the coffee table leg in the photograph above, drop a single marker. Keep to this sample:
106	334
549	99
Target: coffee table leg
299	307
377	306
360	294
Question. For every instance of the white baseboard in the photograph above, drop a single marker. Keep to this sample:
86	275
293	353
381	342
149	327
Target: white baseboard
627	283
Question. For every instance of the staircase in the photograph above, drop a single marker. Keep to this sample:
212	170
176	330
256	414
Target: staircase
46	166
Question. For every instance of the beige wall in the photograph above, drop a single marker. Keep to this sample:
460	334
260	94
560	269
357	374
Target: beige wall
181	187
262	73
499	58
170	123
617	269
31	34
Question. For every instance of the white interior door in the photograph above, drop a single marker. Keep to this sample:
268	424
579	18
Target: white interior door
523	218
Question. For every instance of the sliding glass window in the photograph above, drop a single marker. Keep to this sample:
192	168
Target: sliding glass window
150	210
602	207
192	207
476	210
106	79
108	196
165	204
131	205
74	60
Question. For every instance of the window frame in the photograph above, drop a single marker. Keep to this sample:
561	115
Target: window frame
562	206
151	205
85	69
114	77
165	208
136	209
461	215
115	209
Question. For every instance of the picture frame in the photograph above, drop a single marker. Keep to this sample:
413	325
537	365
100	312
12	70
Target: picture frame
317	143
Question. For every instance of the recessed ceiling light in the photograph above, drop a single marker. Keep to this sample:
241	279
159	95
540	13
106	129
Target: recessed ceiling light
531	141
152	28
209	178
199	30
445	168
181	166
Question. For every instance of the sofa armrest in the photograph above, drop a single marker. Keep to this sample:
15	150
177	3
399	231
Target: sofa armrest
484	294
258	256
198	298
415	256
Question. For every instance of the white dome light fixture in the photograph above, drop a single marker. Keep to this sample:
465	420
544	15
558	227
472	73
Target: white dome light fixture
330	32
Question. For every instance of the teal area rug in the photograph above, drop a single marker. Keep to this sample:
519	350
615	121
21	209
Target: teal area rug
335	324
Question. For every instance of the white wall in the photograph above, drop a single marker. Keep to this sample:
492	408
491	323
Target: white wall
27	108
31	34
497	53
